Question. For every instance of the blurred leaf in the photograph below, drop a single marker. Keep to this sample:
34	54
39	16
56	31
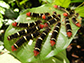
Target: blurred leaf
73	1
11	14
2	10
50	1
1	23
25	52
80	10
23	2
9	1
1	18
63	3
4	5
1	43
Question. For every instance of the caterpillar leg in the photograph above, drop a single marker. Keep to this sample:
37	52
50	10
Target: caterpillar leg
23	40
39	41
55	34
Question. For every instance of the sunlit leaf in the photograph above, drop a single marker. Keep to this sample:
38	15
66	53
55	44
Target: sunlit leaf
80	10
8	59
25	52
63	3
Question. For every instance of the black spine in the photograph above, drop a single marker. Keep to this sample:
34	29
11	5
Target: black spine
55	31
40	39
26	38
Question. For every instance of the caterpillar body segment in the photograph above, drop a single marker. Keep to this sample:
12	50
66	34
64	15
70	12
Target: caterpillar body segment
50	16
25	31
68	27
15	24
55	34
39	41
23	40
52	21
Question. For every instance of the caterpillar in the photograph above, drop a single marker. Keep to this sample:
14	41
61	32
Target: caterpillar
25	31
23	40
68	12
68	27
55	34
26	24
36	14
52	21
39	41
75	21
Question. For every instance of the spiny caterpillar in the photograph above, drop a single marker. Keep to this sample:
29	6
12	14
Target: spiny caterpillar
39	41
68	27
24	32
26	24
33	29
55	34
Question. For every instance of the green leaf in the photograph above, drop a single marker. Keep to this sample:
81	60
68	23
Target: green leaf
80	10
74	1
4	5
59	58
11	14
25	52
9	58
62	57
63	3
